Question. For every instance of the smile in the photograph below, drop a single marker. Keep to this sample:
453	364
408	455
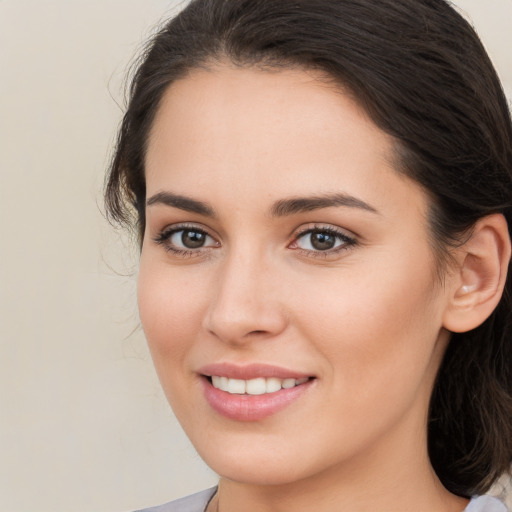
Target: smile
257	386
252	392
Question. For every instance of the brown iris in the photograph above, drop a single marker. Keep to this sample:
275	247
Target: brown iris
193	239
322	241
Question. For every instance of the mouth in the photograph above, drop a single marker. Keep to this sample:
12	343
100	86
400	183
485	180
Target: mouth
257	386
253	392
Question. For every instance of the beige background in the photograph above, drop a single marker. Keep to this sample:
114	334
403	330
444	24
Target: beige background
83	423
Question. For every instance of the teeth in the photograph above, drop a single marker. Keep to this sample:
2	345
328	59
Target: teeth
272	385
288	383
258	386
236	386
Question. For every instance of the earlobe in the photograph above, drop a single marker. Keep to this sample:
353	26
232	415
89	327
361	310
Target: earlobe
477	284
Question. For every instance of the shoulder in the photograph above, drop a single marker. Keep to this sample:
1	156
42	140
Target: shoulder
194	503
486	504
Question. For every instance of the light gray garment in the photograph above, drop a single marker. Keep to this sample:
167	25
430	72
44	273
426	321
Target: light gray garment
486	504
198	502
193	503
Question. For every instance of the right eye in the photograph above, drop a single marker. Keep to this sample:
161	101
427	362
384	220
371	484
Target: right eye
188	239
185	240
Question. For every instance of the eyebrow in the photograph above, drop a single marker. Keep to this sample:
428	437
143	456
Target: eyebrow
181	202
281	208
295	205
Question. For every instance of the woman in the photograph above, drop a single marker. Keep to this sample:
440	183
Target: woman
322	190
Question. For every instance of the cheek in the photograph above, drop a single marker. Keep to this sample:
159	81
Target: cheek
171	315
170	310
377	328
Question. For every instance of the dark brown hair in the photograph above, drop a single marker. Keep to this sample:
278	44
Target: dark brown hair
421	73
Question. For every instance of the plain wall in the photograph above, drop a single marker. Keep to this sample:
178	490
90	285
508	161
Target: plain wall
84	425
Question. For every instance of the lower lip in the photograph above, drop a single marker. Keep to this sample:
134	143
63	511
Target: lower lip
251	407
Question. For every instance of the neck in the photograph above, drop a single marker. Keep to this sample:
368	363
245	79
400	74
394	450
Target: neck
395	476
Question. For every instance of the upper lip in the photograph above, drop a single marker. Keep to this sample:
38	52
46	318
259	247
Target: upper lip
250	371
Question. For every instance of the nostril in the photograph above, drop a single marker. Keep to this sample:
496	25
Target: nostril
237	321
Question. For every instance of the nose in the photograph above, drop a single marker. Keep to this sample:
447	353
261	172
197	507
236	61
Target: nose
245	303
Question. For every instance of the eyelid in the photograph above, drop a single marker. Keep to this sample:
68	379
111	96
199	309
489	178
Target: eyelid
349	240
164	235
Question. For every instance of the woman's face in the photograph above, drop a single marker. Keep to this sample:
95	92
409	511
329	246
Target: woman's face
287	286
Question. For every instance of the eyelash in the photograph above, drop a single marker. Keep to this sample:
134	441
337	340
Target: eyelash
347	242
165	235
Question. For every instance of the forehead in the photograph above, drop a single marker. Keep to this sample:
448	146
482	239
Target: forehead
235	104
267	132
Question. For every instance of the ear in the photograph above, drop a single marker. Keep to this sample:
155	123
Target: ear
480	274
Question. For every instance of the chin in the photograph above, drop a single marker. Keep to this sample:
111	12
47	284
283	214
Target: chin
257	474
256	462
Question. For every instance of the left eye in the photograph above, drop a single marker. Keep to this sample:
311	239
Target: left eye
322	240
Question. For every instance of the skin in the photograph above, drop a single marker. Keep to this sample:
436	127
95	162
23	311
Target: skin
366	321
